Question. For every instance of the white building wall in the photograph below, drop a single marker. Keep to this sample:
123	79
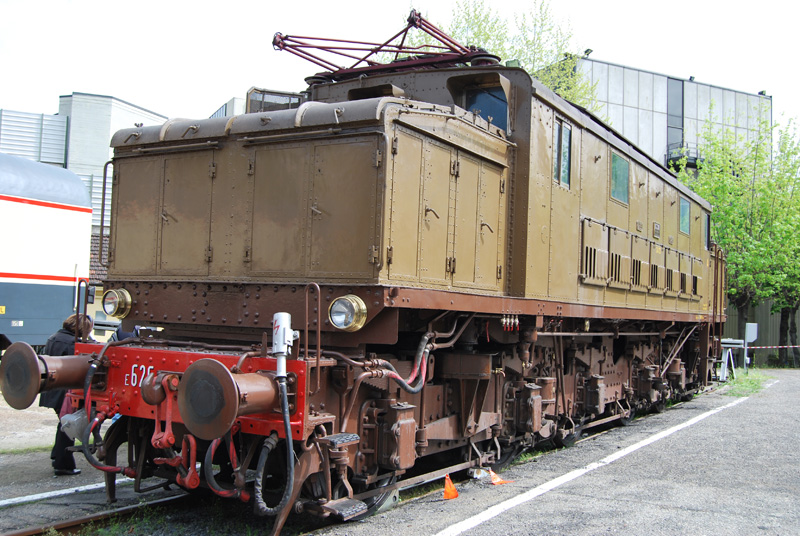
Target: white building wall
93	121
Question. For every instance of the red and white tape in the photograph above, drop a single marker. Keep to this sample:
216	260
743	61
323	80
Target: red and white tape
770	347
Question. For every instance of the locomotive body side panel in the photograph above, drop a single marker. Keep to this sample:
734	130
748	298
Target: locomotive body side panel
280	210
537	230
135	218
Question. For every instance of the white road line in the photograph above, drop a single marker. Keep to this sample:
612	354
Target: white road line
531	494
58	493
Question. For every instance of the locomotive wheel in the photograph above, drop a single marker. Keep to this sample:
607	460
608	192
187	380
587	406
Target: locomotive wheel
660	406
116	436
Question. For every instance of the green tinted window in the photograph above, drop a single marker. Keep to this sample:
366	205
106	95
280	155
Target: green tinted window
619	178
685	216
562	143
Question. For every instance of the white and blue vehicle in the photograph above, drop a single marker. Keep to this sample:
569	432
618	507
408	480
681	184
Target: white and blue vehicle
45	241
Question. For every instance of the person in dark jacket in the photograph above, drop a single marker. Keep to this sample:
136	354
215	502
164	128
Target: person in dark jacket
60	343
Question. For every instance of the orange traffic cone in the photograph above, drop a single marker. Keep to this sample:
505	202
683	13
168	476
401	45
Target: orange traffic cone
496	480
450	491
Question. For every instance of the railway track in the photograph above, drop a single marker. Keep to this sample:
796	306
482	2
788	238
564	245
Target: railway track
178	513
75	525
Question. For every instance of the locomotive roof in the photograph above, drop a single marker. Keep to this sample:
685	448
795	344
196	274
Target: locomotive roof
20	177
335	109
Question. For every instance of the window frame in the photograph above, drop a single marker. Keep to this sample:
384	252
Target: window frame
684	202
619	158
560	127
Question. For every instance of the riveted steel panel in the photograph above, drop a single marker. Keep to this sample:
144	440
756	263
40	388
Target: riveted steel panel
541	176
594	256
491	228
343	197
657	275
232	214
671	277
594	170
669	230
186	214
467	221
638	200
564	234
404	234
619	264
135	226
436	214
640	270
280	209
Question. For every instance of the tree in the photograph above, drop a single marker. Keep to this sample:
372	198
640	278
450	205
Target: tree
786	296
756	217
540	44
733	175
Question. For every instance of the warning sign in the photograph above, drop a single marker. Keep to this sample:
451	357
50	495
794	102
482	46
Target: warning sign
2	309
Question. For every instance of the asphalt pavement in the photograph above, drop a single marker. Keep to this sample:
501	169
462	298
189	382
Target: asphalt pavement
716	465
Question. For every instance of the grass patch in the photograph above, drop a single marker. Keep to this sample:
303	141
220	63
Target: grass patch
26	450
746	384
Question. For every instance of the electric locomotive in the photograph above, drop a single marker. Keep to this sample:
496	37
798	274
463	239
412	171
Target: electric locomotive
429	265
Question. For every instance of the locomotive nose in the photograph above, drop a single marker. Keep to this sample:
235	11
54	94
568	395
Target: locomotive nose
211	398
23	374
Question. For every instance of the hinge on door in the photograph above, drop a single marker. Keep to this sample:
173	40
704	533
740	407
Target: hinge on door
378	158
502	186
499	272
455	167
209	254
394	145
389	254
450	265
373	255
246	254
251	167
212	170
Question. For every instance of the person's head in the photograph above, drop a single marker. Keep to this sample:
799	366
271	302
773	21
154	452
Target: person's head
80	324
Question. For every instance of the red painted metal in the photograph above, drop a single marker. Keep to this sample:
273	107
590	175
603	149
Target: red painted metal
444	51
129	365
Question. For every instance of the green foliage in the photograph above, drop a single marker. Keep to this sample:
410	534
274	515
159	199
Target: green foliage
755	218
540	44
746	384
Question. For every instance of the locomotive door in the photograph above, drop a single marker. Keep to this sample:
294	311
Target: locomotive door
478	224
420	213
134	226
343	208
186	214
436	218
280	208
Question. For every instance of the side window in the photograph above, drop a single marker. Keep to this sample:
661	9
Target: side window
490	103
562	145
620	173
685	213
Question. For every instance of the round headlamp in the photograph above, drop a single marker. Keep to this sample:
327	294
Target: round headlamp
348	313
117	303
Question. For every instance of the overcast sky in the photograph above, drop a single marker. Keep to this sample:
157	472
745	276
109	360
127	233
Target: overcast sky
187	58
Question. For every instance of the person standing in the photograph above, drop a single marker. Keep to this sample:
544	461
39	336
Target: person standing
61	343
